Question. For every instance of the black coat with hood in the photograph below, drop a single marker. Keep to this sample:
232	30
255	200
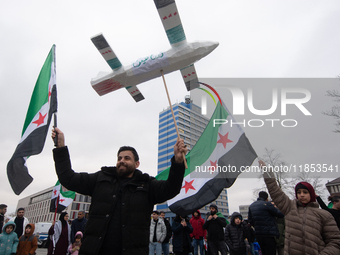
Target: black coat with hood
235	234
134	200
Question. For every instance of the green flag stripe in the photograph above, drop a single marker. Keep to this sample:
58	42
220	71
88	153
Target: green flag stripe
40	92
204	146
68	194
208	140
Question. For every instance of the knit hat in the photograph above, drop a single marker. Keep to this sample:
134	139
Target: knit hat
79	233
307	186
263	195
214	206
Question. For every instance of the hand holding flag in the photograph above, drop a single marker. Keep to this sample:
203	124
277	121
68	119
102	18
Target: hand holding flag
180	149
57	133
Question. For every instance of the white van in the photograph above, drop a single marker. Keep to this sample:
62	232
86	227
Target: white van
41	232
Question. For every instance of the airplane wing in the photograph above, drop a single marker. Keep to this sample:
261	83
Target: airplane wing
190	77
110	57
172	24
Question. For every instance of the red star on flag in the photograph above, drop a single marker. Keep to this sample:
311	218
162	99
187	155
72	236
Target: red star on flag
212	167
188	185
165	17
61	200
40	120
55	192
224	139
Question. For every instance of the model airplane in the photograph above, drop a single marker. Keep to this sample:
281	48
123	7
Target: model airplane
181	57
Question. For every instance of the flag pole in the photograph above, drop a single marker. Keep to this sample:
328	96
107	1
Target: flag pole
56	134
173	116
56	209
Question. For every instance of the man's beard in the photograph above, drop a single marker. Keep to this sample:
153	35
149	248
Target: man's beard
125	172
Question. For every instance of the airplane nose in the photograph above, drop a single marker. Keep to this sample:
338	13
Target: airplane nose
209	46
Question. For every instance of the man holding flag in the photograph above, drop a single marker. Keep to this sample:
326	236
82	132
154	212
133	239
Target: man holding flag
122	198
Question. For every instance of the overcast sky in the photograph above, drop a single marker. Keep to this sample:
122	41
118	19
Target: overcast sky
270	39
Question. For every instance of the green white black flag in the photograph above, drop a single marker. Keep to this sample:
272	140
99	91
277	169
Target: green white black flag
61	198
38	118
214	163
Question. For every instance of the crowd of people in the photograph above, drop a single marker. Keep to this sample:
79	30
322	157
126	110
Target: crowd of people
17	234
296	226
123	199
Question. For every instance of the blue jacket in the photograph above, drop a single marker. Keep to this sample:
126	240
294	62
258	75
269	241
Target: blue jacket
262	215
8	242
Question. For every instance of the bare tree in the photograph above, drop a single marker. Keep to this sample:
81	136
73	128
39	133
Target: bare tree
284	180
335	111
315	181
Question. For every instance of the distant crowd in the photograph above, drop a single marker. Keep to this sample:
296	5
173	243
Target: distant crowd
270	226
17	234
123	197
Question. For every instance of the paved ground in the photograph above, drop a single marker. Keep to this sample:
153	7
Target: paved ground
41	251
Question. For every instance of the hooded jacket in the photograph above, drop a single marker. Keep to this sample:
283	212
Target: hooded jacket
8	242
197	224
137	199
309	230
28	243
235	235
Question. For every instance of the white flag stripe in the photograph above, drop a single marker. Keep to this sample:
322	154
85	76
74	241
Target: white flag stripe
44	109
219	151
33	126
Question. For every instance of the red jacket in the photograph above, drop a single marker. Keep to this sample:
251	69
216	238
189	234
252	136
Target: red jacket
197	224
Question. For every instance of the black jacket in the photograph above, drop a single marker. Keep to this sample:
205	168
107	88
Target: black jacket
181	241
168	231
335	213
262	215
2	218
215	227
235	235
136	200
77	225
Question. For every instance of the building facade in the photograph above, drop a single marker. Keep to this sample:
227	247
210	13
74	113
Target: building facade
244	211
37	206
191	124
333	187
